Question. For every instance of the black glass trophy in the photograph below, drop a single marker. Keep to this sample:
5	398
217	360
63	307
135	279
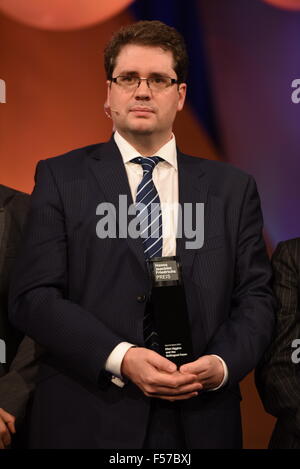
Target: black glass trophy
167	304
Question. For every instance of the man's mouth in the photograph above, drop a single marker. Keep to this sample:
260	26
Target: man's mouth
141	109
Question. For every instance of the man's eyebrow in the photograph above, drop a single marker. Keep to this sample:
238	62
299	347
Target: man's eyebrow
151	74
128	72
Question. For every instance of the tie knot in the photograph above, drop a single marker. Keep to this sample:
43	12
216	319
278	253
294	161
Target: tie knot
148	163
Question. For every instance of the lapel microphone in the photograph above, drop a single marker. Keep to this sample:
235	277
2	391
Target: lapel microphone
109	110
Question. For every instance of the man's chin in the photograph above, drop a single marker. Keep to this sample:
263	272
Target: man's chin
141	130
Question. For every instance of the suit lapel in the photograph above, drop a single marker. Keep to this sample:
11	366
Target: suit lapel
193	188
108	168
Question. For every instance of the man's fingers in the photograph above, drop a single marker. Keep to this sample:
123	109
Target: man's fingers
198	366
11	426
4	434
139	362
180	397
7	424
163	390
6	416
205	364
6	439
165	375
153	373
172	381
8	419
161	363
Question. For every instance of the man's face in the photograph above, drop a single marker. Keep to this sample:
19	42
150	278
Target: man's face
141	111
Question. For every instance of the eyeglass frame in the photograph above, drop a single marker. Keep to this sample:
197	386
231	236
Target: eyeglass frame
173	81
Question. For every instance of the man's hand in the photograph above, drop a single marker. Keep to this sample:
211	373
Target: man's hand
157	376
7	426
208	369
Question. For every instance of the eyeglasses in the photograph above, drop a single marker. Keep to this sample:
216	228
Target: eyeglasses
156	83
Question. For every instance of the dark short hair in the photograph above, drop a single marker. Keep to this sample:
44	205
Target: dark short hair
148	33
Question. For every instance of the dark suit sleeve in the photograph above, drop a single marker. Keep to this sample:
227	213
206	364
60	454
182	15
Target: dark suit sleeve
14	210
18	384
39	290
245	334
277	377
18	381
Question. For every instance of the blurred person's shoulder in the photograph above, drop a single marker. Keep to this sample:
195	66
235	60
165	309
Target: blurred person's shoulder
289	247
13	199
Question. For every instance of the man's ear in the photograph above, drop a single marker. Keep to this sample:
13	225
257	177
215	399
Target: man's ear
182	94
107	109
107	102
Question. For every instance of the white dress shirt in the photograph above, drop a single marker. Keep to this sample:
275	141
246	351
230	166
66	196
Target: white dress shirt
165	178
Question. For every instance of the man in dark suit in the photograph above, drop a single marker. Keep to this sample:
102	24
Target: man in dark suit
277	376
17	364
83	295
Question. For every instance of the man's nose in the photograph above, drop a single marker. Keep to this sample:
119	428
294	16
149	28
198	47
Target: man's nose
143	91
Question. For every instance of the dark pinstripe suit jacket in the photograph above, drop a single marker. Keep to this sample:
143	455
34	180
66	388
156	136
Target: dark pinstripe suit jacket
17	374
277	377
79	296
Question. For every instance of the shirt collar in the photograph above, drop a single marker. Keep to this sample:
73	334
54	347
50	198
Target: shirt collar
168	151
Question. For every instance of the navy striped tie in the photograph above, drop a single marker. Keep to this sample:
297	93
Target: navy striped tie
150	226
148	203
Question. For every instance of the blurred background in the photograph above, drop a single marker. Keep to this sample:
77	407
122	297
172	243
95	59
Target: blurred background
244	57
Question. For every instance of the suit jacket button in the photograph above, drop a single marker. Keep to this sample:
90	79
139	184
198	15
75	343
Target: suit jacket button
141	298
